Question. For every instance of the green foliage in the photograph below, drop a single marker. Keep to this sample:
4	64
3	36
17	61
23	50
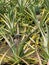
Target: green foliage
28	22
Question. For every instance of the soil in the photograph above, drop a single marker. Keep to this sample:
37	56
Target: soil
4	48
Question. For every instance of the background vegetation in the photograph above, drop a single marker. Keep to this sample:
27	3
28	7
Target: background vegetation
24	32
